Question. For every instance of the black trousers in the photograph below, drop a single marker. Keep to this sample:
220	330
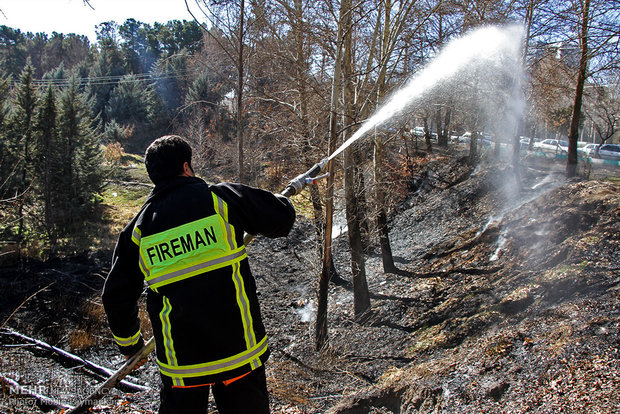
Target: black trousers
245	395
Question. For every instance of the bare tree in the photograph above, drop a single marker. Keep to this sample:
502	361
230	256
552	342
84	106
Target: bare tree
584	34
583	9
602	108
231	17
336	87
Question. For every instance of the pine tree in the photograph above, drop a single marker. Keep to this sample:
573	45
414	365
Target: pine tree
134	104
48	165
5	165
21	142
83	175
108	64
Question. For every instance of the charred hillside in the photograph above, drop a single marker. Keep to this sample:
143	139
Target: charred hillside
514	299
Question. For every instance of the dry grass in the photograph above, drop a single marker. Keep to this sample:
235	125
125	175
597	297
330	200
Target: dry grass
293	392
87	332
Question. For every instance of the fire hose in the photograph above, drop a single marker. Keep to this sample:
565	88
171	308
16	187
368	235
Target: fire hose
295	186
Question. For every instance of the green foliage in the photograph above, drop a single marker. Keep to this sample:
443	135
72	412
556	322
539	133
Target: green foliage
13	52
5	156
104	74
51	165
21	123
133	103
203	101
45	53
81	141
57	74
171	84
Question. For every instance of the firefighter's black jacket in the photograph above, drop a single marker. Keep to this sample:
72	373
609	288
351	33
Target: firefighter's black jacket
187	243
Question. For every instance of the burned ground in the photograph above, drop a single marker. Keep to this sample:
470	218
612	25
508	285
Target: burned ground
506	301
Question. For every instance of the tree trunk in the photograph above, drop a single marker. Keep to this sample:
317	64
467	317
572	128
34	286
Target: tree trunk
320	330
381	219
427	135
516	140
573	135
361	297
301	69
445	132
473	148
361	200
240	74
384	238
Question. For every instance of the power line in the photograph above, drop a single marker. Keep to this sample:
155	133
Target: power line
116	79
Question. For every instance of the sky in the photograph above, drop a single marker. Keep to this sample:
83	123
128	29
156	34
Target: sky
74	16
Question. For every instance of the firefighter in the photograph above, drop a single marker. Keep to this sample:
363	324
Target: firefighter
186	242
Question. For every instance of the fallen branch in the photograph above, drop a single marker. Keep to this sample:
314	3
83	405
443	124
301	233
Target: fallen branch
91	366
128	183
303	364
17	390
114	379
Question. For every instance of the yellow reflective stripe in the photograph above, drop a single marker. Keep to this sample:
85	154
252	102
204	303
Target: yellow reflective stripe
244	307
196	269
132	340
166	328
221	208
136	235
143	267
215	367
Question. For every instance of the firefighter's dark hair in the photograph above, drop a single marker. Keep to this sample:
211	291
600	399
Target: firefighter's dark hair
165	156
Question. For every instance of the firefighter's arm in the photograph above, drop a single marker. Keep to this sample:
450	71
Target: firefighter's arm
258	211
120	296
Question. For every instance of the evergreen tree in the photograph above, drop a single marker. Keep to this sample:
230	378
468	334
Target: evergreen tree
6	166
172	82
13	53
105	72
203	102
48	166
4	97
84	157
59	73
134	104
20	139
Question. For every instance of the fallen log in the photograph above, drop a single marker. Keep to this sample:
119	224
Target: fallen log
91	366
128	183
18	391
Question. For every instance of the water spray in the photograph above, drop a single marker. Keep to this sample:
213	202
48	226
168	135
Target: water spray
482	44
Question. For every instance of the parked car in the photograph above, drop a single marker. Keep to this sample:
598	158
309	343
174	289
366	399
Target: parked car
552	146
418	131
585	150
606	152
465	138
524	143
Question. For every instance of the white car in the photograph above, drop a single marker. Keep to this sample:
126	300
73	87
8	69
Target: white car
585	150
606	152
465	138
553	146
418	131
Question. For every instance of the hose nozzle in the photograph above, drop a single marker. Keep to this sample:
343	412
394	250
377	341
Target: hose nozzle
309	177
